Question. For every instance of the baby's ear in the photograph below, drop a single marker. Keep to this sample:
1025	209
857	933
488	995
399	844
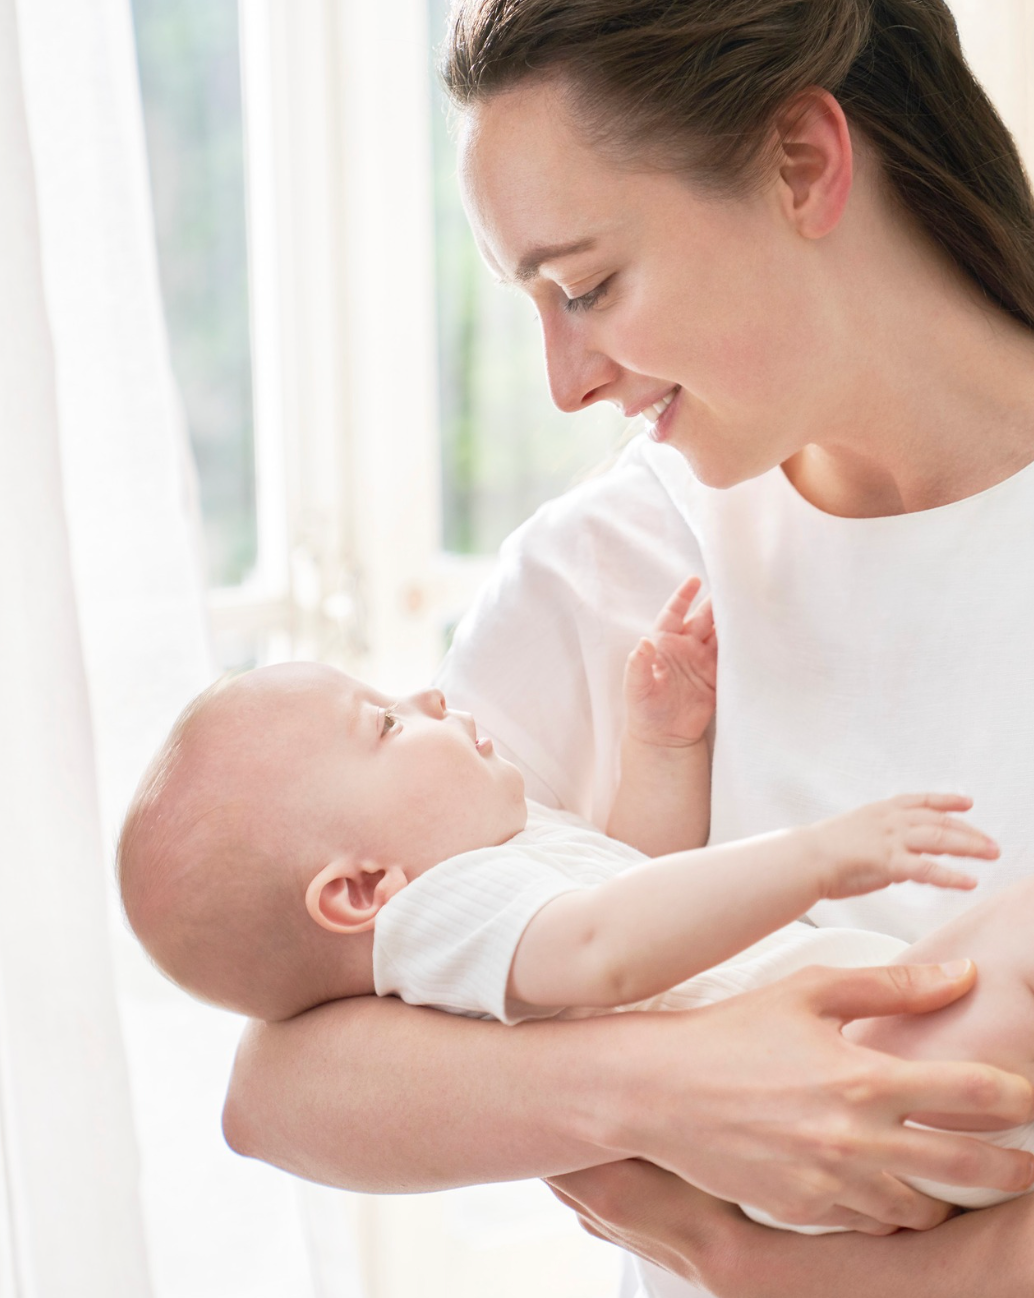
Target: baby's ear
347	894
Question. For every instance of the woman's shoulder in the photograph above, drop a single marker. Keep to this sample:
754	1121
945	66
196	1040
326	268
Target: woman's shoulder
639	503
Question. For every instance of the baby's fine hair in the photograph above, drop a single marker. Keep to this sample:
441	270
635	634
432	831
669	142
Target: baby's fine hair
218	911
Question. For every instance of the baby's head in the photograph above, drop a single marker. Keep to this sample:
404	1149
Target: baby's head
285	808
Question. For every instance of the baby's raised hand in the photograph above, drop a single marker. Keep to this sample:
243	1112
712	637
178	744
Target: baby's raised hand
670	675
893	841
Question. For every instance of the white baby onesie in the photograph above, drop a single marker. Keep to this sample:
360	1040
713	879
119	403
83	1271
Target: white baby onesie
448	939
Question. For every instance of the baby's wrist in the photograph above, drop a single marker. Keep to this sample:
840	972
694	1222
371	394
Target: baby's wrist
820	856
659	747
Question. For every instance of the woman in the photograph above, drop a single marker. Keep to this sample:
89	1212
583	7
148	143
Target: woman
799	239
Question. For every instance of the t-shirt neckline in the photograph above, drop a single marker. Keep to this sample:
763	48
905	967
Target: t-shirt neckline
977	499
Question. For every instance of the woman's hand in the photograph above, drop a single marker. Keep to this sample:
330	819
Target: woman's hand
660	1217
760	1099
712	1244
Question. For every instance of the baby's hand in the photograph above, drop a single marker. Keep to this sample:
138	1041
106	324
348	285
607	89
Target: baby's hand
888	842
670	676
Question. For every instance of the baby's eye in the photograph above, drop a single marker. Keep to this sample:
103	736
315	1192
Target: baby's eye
390	721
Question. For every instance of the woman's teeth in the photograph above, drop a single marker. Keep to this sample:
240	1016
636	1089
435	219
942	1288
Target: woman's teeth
652	413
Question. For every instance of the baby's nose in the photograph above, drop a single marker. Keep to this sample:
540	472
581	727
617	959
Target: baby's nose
432	702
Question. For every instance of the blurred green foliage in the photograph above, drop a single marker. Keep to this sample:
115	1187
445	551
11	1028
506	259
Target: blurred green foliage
188	54
505	446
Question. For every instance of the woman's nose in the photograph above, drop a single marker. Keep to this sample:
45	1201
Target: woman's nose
578	376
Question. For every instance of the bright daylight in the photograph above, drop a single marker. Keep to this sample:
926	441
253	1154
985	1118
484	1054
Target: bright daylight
515	737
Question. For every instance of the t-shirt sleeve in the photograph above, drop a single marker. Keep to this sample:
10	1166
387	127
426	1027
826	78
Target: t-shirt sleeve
539	657
448	939
516	663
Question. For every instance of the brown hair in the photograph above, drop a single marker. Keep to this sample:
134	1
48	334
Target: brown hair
698	85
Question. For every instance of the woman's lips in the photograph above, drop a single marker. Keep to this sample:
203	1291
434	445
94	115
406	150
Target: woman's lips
660	430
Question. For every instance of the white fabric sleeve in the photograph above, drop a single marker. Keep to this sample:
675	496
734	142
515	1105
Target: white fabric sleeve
448	939
539	658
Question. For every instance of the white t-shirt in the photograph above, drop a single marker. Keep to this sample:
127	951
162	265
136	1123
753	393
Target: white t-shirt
448	939
858	658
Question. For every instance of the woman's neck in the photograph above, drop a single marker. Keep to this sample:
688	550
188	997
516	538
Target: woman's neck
936	394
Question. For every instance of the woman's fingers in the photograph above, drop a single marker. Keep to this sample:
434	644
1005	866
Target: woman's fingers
653	1212
965	1090
888	1203
847	994
958	1158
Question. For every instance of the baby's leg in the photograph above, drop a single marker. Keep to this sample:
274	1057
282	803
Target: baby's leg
994	1023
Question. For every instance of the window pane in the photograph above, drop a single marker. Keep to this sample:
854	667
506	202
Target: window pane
505	446
189	61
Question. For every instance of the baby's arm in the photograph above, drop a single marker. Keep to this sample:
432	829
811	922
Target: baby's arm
663	801
657	924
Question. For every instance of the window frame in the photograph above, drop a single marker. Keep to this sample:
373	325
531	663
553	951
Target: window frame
341	258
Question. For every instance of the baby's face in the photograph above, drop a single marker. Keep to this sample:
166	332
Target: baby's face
402	781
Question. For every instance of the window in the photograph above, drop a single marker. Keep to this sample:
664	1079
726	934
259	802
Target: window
189	60
360	460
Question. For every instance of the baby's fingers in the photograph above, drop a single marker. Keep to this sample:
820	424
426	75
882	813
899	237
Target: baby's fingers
935	801
673	615
947	836
924	869
639	670
701	622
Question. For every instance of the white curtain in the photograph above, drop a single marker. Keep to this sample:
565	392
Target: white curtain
72	1222
114	1179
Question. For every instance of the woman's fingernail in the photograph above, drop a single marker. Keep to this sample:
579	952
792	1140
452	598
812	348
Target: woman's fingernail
956	968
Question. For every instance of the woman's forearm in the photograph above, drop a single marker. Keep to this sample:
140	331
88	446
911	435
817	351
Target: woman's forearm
383	1097
988	1253
377	1095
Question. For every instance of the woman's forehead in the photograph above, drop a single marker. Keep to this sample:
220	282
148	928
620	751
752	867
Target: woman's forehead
530	182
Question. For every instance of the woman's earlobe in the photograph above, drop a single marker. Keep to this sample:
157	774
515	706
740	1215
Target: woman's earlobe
345	896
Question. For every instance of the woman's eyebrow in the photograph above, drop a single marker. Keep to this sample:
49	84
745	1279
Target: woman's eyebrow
530	263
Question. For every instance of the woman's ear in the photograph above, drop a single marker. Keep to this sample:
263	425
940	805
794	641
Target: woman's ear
817	165
347	894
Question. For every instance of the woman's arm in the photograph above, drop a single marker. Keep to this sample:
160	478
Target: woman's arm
376	1095
710	1243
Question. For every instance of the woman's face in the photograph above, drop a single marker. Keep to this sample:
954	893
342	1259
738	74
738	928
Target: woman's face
646	289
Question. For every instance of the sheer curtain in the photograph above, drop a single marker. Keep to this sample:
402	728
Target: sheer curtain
113	1179
72	1222
107	1189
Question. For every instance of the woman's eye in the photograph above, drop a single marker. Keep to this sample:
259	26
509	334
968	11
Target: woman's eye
588	300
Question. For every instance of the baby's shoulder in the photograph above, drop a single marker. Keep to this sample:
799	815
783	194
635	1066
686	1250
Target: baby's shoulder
565	835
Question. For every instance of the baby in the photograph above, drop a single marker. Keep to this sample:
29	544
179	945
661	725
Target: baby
301	837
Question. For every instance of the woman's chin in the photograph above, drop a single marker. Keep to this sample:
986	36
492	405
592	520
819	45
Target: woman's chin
716	471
